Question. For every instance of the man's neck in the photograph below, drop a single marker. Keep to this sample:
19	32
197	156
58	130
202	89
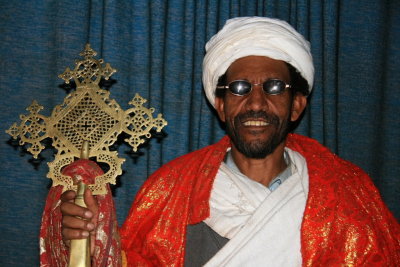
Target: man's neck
261	170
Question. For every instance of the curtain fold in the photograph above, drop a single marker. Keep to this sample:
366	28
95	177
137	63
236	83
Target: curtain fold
157	48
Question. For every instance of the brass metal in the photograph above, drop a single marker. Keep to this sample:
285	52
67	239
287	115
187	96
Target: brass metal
86	114
85	150
79	253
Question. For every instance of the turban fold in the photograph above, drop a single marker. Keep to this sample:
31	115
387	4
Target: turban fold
255	36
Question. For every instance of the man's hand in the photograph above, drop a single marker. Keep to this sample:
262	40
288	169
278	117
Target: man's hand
79	222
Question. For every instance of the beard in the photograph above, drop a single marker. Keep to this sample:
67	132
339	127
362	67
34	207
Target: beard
258	148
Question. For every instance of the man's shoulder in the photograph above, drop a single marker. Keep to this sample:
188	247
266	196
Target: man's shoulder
311	149
307	145
335	177
322	160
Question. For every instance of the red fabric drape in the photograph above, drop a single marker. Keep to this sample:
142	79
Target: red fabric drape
345	221
53	251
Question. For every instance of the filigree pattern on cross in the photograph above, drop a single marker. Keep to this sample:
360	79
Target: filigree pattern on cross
86	114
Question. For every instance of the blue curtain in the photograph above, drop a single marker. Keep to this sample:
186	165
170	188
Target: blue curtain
157	47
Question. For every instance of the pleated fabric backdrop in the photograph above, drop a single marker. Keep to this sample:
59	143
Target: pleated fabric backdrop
157	47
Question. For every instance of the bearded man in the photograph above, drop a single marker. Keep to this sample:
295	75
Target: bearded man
260	196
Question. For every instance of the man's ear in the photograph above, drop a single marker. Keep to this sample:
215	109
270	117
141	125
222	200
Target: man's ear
298	106
219	107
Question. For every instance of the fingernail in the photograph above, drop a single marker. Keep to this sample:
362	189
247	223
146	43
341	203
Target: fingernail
90	226
85	234
88	214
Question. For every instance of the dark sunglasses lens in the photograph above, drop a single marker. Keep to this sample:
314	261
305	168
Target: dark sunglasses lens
274	87
240	87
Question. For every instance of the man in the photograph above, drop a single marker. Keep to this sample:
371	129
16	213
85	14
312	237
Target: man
260	196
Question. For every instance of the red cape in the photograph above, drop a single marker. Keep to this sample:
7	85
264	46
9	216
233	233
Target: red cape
53	251
345	221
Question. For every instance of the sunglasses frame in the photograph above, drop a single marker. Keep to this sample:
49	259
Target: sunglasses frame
252	85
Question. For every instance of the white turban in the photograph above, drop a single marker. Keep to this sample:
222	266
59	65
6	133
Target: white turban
255	36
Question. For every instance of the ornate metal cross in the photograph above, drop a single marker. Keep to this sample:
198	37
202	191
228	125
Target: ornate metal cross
87	114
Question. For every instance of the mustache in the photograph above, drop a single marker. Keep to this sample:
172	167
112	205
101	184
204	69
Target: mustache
251	114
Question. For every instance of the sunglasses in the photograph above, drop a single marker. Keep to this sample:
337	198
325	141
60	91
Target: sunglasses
242	87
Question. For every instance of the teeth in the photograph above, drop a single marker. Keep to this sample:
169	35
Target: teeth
255	123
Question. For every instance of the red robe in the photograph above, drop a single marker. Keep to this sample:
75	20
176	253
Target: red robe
345	221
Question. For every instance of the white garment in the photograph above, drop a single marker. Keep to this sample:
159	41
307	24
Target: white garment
263	226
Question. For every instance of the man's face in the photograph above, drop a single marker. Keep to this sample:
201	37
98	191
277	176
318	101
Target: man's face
257	123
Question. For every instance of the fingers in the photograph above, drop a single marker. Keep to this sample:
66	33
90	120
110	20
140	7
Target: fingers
77	222
69	234
71	209
68	196
74	228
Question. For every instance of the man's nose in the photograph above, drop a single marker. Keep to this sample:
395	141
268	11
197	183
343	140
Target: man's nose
257	100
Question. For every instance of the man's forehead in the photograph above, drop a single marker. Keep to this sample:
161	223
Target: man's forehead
261	64
256	58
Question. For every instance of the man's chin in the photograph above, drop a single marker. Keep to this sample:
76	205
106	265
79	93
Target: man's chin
254	149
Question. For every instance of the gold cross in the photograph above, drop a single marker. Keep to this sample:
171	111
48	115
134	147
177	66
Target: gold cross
87	114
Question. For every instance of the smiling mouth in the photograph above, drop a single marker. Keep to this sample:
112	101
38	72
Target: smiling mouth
256	123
